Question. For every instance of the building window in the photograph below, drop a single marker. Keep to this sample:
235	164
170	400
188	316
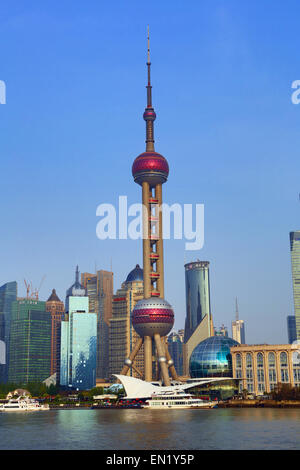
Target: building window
272	370
296	372
260	373
284	367
249	372
238	370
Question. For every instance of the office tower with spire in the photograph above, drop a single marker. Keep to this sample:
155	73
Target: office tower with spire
295	258
153	316
78	344
99	289
56	309
238	327
8	294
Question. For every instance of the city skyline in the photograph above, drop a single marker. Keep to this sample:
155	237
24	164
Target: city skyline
62	131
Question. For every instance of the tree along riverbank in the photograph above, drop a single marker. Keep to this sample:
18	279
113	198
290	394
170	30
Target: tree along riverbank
259	404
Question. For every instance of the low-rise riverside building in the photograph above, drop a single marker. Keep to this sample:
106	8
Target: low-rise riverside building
261	367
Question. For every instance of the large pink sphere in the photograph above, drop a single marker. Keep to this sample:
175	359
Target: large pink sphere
150	167
154	315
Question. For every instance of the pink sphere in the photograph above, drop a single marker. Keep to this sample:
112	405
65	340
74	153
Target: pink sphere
150	167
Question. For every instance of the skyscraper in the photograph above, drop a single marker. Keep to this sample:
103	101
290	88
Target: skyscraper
122	336
238	327
30	342
295	258
175	345
8	294
78	341
76	289
78	349
291	328
56	309
152	317
197	289
99	289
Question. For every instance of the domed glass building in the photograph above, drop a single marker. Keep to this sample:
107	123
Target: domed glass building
212	358
135	275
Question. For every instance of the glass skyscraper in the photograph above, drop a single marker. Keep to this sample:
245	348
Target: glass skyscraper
291	327
99	288
176	351
30	342
8	294
197	290
78	345
295	257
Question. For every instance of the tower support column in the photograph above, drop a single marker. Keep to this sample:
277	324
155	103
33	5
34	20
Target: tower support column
130	359
148	358
146	240
162	360
160	249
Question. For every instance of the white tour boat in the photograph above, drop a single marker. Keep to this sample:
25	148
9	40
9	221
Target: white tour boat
177	400
22	404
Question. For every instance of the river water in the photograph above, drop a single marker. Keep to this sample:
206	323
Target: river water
234	428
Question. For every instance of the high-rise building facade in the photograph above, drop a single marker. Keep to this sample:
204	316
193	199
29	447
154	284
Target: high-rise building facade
238	331
122	336
175	345
197	288
291	329
30	342
78	345
238	327
78	340
295	258
99	289
56	309
8	294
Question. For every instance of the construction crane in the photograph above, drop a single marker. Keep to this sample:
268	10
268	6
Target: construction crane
28	288
32	293
35	292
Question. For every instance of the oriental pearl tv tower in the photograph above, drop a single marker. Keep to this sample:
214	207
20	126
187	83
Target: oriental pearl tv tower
153	316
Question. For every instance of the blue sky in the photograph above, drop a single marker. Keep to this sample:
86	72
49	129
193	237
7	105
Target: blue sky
222	72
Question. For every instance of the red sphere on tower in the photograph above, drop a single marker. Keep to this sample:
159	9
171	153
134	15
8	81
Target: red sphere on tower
153	316
150	167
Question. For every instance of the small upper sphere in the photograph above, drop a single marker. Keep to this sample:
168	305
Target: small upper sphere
154	315
149	114
150	167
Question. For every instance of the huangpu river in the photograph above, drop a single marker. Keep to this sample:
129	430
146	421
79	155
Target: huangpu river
220	429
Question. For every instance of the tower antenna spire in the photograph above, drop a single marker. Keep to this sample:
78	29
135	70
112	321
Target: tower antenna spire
148	46
149	114
236	310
